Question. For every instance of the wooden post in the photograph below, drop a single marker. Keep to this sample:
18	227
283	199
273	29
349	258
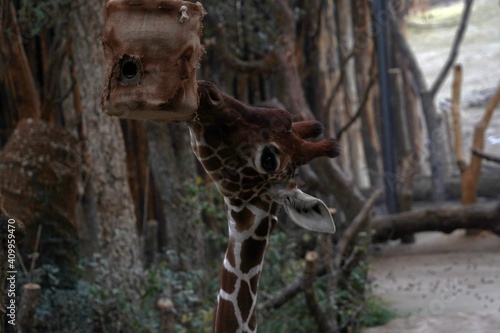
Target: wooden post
470	172
27	309
167	311
322	320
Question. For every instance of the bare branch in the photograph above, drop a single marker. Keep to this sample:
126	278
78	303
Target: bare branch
454	49
361	107
337	85
286	294
356	226
488	157
366	95
470	176
495	100
264	65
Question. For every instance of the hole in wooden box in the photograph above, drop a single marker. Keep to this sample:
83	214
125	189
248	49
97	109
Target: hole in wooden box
130	70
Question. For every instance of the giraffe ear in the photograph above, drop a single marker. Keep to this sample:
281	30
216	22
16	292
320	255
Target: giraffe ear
309	212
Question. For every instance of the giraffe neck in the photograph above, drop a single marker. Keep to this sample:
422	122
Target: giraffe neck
251	218
249	228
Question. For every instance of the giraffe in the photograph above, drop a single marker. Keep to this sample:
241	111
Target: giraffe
252	155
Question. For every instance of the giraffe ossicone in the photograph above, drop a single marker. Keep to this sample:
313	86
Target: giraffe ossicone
252	154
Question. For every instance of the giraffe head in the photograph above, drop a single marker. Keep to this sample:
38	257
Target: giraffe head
253	153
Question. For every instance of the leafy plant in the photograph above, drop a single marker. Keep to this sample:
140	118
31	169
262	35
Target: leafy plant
375	313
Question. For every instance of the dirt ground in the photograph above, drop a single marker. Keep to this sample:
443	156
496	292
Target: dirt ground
442	283
449	283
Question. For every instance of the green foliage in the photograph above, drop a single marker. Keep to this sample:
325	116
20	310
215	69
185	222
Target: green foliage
281	267
97	307
65	310
93	307
375	313
208	198
292	317
350	304
90	307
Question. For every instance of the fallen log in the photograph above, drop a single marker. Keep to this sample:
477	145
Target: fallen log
488	187
485	216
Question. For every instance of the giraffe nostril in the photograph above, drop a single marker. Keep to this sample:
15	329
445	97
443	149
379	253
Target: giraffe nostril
213	97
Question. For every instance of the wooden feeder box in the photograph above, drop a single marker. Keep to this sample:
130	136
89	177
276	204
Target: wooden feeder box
152	49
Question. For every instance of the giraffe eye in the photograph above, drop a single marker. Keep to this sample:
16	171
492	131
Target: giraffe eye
267	159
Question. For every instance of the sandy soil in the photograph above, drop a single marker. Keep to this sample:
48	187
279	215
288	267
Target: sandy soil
442	283
449	283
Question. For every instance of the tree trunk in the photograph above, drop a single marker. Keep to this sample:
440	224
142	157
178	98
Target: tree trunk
437	146
39	187
363	50
16	68
111	202
174	170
